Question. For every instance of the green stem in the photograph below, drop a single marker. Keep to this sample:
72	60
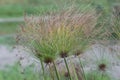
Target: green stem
82	69
67	68
73	66
56	71
51	74
43	69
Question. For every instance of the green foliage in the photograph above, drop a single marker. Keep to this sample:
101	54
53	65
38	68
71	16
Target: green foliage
13	8
62	35
15	72
18	10
115	23
6	33
116	29
8	28
7	40
59	35
97	76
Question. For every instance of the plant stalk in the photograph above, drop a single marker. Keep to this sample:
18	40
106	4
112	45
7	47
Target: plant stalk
52	76
82	69
43	69
67	67
56	71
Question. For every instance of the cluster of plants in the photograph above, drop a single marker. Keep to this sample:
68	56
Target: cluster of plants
17	72
61	35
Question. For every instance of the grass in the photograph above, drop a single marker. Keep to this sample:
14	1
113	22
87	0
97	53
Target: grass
12	10
63	34
18	8
116	27
30	7
59	36
9	28
97	76
7	40
28	73
7	33
15	72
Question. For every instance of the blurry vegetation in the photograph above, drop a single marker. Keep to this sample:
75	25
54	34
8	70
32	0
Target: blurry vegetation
16	72
19	8
9	28
49	39
15	8
7	40
7	32
69	32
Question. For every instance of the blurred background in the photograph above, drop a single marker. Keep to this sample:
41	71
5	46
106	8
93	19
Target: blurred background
12	12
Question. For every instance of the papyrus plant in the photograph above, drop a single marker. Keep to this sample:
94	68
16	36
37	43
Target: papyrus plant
59	35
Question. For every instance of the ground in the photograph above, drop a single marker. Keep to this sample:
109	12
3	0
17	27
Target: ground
91	58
